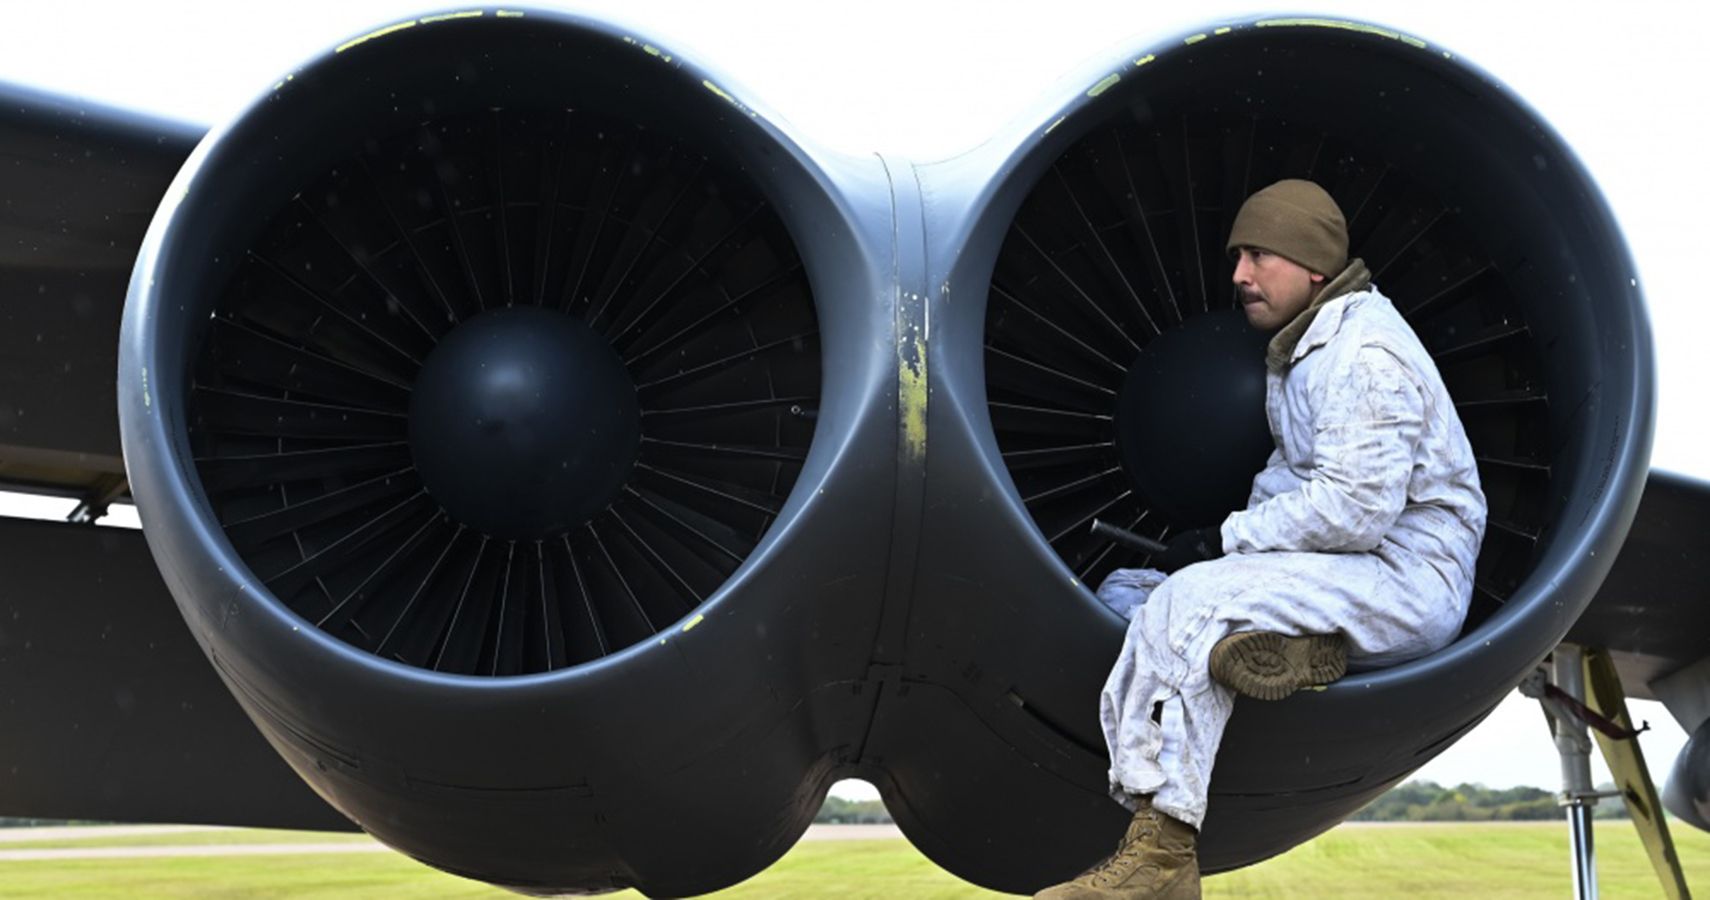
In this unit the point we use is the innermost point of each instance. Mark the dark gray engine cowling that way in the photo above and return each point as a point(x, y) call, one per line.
point(646, 671)
point(485, 391)
point(1091, 239)
point(1687, 794)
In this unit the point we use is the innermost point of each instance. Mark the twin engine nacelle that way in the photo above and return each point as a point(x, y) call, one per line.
point(572, 473)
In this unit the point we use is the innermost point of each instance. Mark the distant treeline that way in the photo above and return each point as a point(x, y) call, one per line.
point(1428, 801)
point(38, 823)
point(838, 811)
point(1415, 801)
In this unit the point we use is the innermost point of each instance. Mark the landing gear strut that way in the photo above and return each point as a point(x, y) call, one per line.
point(1580, 691)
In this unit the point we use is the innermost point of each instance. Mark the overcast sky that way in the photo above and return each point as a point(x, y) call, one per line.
point(1623, 84)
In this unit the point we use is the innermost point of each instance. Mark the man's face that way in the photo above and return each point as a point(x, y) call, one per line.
point(1274, 289)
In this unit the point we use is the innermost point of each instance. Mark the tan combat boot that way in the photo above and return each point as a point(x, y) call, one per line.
point(1269, 666)
point(1155, 861)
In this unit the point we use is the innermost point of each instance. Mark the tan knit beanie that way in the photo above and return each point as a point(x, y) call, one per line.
point(1295, 219)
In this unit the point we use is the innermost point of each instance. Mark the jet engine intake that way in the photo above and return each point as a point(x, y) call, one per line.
point(1115, 379)
point(473, 390)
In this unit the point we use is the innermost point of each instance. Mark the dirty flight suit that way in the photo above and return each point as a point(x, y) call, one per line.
point(1365, 521)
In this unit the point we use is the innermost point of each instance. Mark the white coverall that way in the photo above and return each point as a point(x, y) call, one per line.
point(1366, 521)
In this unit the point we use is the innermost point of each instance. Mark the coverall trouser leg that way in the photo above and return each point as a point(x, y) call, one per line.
point(1389, 606)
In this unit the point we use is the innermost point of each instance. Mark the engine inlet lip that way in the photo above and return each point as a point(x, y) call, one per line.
point(1611, 483)
point(184, 253)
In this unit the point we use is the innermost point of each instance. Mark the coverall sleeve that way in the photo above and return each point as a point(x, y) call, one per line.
point(1272, 480)
point(1366, 427)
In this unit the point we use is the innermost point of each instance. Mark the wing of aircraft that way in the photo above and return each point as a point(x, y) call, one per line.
point(1651, 617)
point(118, 713)
point(570, 471)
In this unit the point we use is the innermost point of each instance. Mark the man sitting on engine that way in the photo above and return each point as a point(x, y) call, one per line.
point(1358, 540)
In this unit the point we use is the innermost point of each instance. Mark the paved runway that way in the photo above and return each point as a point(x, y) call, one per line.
point(307, 847)
point(79, 832)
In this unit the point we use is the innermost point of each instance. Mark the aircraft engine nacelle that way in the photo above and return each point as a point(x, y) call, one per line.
point(571, 475)
point(1687, 794)
point(473, 400)
point(1113, 377)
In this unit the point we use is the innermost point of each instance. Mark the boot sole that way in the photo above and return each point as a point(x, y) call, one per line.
point(1268, 666)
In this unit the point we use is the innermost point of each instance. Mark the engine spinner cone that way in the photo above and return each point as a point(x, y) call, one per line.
point(1190, 419)
point(524, 423)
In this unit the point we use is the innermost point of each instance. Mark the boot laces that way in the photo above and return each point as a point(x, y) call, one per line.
point(1117, 867)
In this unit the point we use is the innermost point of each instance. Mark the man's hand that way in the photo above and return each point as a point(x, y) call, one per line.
point(1189, 547)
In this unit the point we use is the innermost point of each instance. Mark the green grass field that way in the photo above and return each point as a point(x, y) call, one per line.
point(1436, 860)
point(195, 838)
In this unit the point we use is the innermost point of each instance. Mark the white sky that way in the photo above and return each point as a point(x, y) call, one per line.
point(1624, 84)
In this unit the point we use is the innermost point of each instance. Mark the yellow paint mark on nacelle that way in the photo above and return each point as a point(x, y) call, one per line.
point(376, 33)
point(1145, 59)
point(726, 97)
point(443, 17)
point(1344, 25)
point(1196, 38)
point(650, 50)
point(719, 91)
point(1104, 84)
point(911, 394)
point(693, 622)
